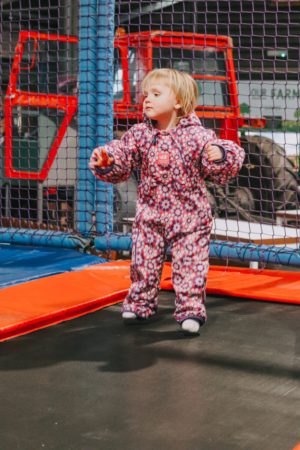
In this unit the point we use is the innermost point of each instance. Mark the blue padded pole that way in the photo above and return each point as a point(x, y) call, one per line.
point(251, 252)
point(41, 238)
point(105, 101)
point(220, 249)
point(112, 241)
point(87, 113)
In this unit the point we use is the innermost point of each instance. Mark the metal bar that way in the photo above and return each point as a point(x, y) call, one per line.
point(149, 9)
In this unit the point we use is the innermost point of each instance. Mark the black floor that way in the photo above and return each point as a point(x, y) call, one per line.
point(93, 383)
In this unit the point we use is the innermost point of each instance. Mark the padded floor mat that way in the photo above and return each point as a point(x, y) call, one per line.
point(40, 303)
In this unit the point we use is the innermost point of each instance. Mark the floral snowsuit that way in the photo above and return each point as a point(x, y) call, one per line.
point(172, 209)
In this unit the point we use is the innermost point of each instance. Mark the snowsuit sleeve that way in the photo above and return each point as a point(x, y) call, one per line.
point(228, 167)
point(126, 155)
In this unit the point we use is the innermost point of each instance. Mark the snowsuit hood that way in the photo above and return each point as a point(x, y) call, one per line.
point(186, 121)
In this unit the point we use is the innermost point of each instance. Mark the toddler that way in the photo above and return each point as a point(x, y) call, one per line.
point(175, 154)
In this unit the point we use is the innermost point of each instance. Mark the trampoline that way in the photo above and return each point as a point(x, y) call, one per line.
point(92, 383)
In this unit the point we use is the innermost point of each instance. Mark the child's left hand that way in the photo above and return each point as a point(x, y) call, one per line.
point(214, 152)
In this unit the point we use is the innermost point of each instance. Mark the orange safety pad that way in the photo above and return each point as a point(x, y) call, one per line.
point(267, 285)
point(47, 301)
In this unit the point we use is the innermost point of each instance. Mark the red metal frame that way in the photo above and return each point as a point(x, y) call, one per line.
point(229, 117)
point(14, 97)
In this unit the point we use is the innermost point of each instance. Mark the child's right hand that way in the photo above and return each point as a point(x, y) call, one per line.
point(100, 159)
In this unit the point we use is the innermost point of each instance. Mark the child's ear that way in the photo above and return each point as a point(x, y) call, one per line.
point(177, 106)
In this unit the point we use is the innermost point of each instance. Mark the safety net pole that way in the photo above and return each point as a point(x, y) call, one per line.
point(87, 112)
point(105, 73)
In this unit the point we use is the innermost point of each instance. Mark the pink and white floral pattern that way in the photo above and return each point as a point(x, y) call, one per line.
point(172, 210)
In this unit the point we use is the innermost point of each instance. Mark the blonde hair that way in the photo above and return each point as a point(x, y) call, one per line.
point(182, 84)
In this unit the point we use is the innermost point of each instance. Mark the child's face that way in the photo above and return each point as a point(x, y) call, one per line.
point(160, 101)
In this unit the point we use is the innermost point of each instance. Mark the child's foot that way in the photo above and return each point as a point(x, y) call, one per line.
point(129, 316)
point(191, 326)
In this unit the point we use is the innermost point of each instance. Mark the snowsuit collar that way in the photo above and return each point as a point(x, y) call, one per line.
point(187, 121)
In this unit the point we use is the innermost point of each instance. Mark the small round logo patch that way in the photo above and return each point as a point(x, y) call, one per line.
point(163, 159)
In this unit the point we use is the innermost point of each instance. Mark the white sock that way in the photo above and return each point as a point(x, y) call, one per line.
point(190, 325)
point(129, 315)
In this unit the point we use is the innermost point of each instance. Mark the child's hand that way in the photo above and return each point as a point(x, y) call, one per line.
point(100, 159)
point(214, 152)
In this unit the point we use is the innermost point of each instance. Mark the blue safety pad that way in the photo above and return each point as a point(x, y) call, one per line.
point(19, 264)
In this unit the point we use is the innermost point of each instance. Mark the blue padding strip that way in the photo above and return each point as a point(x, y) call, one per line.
point(20, 264)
